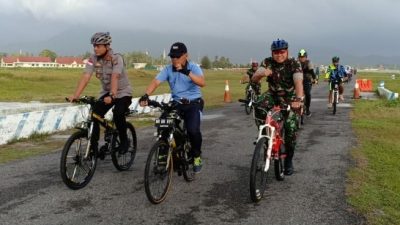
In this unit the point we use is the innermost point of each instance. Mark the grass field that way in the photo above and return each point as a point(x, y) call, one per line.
point(374, 185)
point(53, 85)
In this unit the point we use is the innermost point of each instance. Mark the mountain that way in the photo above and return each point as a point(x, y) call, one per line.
point(76, 41)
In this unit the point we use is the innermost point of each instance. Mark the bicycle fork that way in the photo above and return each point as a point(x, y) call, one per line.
point(89, 140)
point(270, 135)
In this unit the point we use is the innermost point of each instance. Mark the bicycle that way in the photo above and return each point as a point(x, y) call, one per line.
point(269, 148)
point(170, 152)
point(250, 98)
point(78, 158)
point(335, 95)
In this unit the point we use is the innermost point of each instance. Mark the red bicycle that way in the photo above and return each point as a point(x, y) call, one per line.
point(270, 148)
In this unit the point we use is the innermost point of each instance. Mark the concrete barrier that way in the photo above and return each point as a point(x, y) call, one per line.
point(24, 124)
point(386, 92)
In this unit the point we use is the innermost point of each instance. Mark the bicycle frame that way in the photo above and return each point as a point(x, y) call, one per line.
point(272, 130)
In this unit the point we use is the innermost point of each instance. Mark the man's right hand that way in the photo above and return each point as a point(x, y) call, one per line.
point(71, 98)
point(143, 100)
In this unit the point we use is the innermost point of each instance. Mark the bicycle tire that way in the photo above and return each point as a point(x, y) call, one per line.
point(152, 168)
point(258, 178)
point(334, 102)
point(248, 108)
point(124, 161)
point(279, 169)
point(187, 163)
point(75, 181)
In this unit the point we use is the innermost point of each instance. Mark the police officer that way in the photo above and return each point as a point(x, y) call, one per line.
point(116, 90)
point(185, 79)
point(309, 78)
point(285, 85)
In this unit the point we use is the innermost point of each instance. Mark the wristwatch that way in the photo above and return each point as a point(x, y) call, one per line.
point(113, 96)
point(300, 99)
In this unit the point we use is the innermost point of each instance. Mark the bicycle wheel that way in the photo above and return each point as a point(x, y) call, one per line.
point(187, 162)
point(157, 173)
point(247, 108)
point(76, 170)
point(124, 161)
point(334, 102)
point(279, 168)
point(258, 178)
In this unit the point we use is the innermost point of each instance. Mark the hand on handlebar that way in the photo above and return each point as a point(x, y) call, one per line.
point(143, 101)
point(71, 99)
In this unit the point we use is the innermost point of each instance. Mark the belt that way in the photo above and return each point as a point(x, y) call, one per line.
point(185, 101)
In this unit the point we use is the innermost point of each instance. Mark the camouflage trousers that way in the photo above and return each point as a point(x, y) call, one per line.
point(267, 101)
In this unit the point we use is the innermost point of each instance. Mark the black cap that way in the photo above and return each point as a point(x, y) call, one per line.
point(177, 49)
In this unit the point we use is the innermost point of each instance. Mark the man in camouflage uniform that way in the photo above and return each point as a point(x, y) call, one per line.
point(255, 85)
point(285, 85)
point(308, 80)
point(116, 89)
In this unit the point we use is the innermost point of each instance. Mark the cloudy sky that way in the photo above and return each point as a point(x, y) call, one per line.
point(369, 27)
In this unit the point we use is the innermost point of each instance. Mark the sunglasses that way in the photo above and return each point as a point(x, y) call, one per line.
point(281, 51)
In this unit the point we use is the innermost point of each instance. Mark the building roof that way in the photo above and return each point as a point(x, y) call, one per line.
point(12, 59)
point(69, 60)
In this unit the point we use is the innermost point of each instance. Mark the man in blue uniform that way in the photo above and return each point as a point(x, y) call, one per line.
point(185, 79)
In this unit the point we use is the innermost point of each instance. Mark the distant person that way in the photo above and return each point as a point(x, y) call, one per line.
point(185, 79)
point(335, 72)
point(250, 72)
point(309, 79)
point(116, 90)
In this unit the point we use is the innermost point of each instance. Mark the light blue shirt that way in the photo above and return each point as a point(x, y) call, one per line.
point(181, 85)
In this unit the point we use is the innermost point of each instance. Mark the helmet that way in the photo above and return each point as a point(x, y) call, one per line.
point(101, 38)
point(302, 53)
point(254, 64)
point(279, 44)
point(335, 59)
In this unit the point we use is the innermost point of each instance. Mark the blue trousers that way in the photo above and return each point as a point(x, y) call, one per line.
point(192, 117)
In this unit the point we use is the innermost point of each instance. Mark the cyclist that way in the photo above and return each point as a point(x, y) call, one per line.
point(335, 72)
point(308, 79)
point(185, 79)
point(285, 85)
point(250, 72)
point(116, 89)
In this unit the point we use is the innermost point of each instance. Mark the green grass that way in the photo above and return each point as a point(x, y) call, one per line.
point(374, 184)
point(53, 85)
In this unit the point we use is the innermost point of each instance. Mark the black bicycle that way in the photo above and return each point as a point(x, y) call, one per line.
point(78, 160)
point(335, 95)
point(250, 97)
point(171, 152)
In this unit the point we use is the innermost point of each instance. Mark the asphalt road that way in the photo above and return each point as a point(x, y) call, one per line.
point(31, 191)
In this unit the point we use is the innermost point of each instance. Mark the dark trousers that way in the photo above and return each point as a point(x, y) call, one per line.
point(307, 95)
point(121, 106)
point(191, 115)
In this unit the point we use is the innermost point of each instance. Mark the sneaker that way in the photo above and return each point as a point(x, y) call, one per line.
point(197, 164)
point(308, 113)
point(329, 105)
point(341, 97)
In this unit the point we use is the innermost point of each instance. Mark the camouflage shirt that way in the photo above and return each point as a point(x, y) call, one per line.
point(283, 75)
